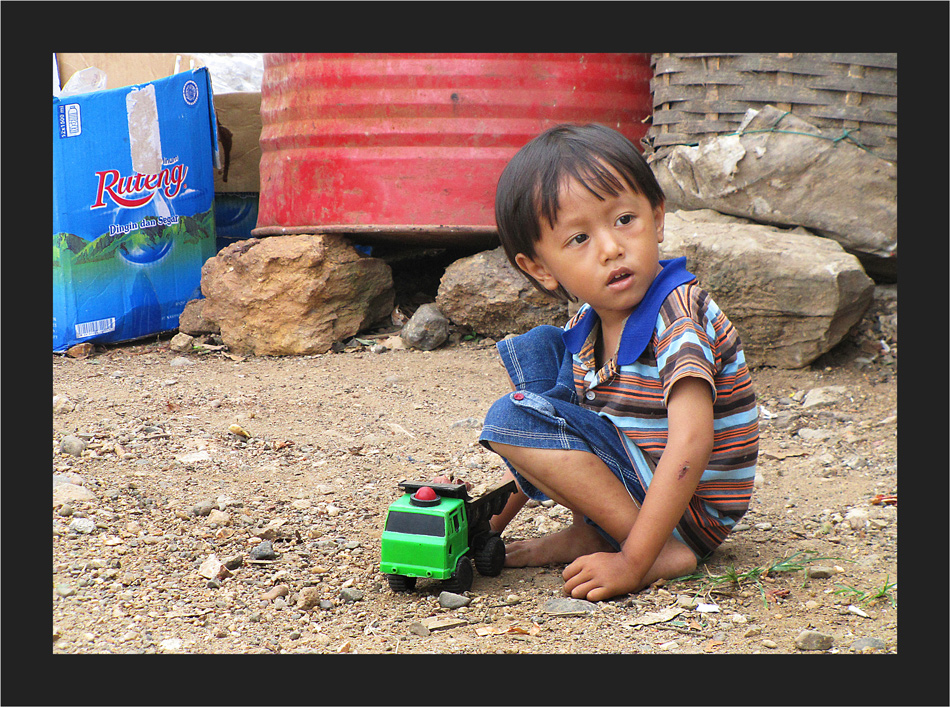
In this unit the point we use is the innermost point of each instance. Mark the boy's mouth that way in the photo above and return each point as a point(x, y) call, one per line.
point(618, 276)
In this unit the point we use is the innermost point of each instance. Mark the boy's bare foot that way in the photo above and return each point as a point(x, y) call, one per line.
point(561, 547)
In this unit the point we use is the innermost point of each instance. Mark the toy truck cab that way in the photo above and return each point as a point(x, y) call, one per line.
point(434, 530)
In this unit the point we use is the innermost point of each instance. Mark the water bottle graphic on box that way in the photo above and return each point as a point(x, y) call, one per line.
point(133, 208)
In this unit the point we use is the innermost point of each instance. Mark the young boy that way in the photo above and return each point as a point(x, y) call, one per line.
point(639, 416)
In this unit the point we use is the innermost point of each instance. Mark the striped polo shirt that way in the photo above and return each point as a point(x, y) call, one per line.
point(690, 336)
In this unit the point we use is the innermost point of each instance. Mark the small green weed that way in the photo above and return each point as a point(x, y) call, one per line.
point(755, 576)
point(870, 596)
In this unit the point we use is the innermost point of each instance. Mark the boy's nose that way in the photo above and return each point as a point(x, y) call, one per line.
point(610, 247)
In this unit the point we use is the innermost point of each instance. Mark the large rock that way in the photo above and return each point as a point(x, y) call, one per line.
point(287, 295)
point(782, 170)
point(792, 296)
point(486, 294)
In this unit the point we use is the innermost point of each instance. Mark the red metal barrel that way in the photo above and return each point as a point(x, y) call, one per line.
point(409, 147)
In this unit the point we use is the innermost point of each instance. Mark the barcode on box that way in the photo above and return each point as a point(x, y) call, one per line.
point(100, 326)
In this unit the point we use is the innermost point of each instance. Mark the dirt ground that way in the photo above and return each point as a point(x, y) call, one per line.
point(328, 438)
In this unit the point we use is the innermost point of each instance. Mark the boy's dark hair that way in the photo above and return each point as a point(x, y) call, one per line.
point(529, 186)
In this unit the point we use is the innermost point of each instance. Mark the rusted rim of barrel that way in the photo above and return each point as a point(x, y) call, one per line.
point(440, 235)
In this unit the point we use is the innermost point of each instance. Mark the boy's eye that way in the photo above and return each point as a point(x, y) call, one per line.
point(625, 219)
point(578, 239)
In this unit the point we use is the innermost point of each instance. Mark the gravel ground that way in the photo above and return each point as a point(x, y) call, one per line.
point(206, 503)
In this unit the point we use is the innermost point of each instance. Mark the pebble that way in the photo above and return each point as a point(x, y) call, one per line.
point(264, 551)
point(418, 629)
point(72, 445)
point(203, 508)
point(65, 590)
point(450, 600)
point(822, 397)
point(820, 572)
point(64, 492)
point(82, 525)
point(809, 640)
point(350, 594)
point(687, 602)
point(308, 598)
point(868, 644)
point(281, 590)
point(569, 607)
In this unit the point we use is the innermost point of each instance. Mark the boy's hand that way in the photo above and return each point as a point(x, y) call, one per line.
point(445, 479)
point(600, 576)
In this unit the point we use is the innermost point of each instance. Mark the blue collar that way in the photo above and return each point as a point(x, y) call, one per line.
point(639, 326)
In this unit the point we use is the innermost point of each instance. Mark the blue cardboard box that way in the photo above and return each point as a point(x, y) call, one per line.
point(133, 207)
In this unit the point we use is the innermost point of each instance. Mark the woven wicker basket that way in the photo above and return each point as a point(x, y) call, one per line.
point(703, 95)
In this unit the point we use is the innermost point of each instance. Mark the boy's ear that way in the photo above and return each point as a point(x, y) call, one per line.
point(537, 270)
point(659, 218)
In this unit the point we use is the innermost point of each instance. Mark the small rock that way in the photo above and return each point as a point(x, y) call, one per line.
point(264, 551)
point(281, 590)
point(65, 590)
point(349, 594)
point(449, 600)
point(418, 629)
point(809, 640)
point(181, 342)
point(219, 518)
point(868, 644)
point(569, 607)
point(820, 572)
point(72, 445)
point(82, 525)
point(193, 457)
point(62, 404)
point(769, 643)
point(170, 644)
point(687, 602)
point(427, 329)
point(83, 350)
point(235, 561)
point(808, 434)
point(308, 598)
point(66, 492)
point(821, 397)
point(857, 518)
point(439, 623)
point(213, 568)
point(203, 508)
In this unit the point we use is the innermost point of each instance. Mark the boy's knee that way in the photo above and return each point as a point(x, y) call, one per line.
point(519, 405)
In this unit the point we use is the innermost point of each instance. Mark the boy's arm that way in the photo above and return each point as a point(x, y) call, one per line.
point(678, 472)
point(675, 478)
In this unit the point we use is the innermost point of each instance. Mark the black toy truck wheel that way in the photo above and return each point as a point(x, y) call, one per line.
point(490, 556)
point(461, 580)
point(401, 583)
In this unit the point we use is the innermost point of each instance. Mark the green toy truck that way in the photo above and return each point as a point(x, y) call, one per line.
point(436, 531)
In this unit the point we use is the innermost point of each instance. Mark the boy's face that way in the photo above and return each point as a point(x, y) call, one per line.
point(603, 251)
